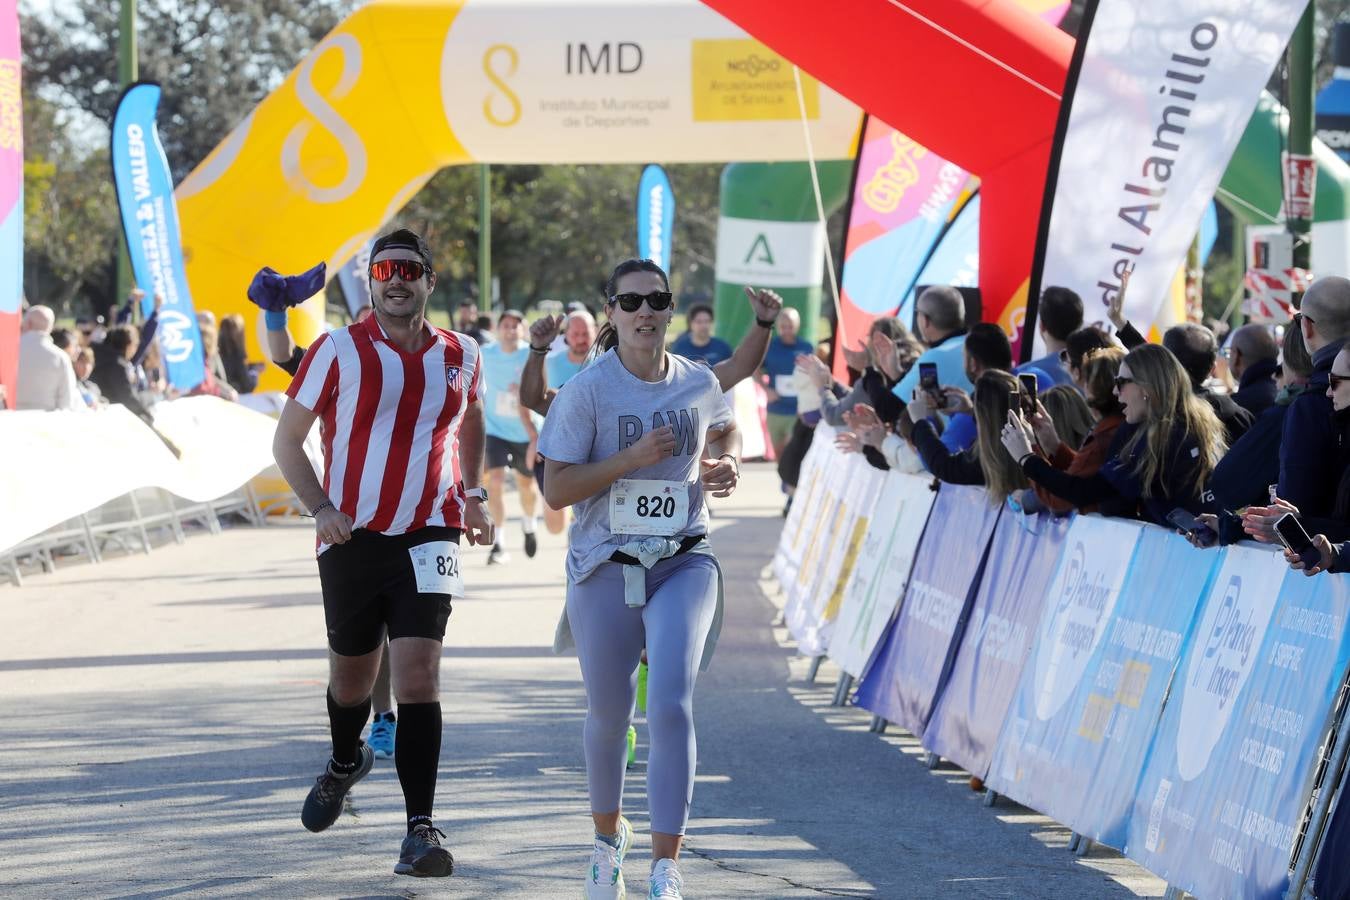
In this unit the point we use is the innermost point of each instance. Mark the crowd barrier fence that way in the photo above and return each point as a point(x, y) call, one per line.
point(1183, 706)
point(77, 481)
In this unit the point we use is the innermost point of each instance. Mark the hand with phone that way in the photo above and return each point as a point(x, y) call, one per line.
point(956, 401)
point(928, 384)
point(1016, 437)
point(1259, 521)
point(1202, 531)
point(1311, 555)
point(1044, 428)
point(1030, 389)
point(921, 406)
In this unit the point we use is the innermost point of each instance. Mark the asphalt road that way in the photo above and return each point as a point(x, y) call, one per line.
point(165, 718)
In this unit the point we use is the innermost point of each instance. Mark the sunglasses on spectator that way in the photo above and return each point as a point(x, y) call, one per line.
point(1336, 380)
point(405, 269)
point(630, 302)
point(1121, 382)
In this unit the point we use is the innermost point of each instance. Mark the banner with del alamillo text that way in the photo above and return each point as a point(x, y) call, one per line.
point(150, 222)
point(1161, 93)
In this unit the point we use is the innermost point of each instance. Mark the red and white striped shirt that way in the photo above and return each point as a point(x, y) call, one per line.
point(390, 424)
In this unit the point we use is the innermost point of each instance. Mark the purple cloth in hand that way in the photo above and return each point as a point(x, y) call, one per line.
point(276, 293)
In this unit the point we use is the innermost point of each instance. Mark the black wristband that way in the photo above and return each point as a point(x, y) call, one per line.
point(534, 349)
point(765, 323)
point(1023, 460)
point(327, 504)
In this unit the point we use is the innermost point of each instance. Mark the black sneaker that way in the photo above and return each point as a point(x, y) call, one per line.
point(531, 544)
point(497, 555)
point(324, 803)
point(423, 856)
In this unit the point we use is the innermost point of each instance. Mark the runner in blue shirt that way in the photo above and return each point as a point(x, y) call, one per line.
point(511, 433)
point(578, 336)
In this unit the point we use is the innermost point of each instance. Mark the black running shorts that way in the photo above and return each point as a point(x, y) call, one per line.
point(503, 453)
point(369, 588)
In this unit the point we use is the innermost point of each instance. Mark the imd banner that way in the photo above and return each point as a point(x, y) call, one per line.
point(1159, 95)
point(150, 222)
point(655, 216)
point(11, 199)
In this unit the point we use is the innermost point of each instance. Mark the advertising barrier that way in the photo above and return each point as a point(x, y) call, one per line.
point(905, 678)
point(1224, 787)
point(1004, 617)
point(1075, 739)
point(882, 571)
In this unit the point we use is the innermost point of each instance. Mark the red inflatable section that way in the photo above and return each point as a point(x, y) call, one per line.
point(9, 357)
point(976, 81)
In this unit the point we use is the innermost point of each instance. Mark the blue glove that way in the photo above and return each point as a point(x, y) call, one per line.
point(274, 292)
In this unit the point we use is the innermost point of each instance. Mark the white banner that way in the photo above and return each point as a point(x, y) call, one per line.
point(57, 465)
point(770, 254)
point(1164, 93)
point(882, 570)
point(804, 512)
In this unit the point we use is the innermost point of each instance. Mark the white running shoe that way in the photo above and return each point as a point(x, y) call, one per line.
point(665, 883)
point(604, 879)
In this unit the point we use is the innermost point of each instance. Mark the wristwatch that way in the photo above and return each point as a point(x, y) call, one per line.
point(478, 493)
point(766, 323)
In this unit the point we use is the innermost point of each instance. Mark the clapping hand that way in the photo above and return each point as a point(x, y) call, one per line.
point(857, 360)
point(866, 424)
point(848, 442)
point(817, 371)
point(1115, 307)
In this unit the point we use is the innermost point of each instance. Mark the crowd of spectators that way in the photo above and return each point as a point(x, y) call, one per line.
point(1220, 443)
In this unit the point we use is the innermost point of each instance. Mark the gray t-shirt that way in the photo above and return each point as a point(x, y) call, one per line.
point(604, 409)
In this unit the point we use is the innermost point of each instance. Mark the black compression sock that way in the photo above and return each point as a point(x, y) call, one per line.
point(345, 724)
point(417, 756)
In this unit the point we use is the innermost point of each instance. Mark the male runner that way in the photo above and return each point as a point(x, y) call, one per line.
point(510, 430)
point(402, 418)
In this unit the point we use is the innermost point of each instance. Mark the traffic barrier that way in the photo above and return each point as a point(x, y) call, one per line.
point(1184, 706)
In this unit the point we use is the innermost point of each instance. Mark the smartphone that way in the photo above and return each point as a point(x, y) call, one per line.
point(1029, 392)
point(1185, 522)
point(1291, 533)
point(928, 377)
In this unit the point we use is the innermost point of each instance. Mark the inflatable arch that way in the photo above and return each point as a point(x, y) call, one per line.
point(403, 88)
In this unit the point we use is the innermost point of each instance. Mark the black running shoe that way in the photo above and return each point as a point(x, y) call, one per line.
point(531, 544)
point(324, 803)
point(423, 856)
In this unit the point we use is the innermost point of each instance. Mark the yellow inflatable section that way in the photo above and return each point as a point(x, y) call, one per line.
point(403, 88)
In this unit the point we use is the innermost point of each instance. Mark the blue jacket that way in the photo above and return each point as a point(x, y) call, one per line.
point(1309, 465)
point(1242, 476)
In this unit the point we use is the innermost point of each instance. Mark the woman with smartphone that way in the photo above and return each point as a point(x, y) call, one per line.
point(1159, 460)
point(986, 463)
point(632, 445)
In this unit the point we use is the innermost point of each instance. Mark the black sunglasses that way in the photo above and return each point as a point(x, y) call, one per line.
point(1121, 382)
point(1336, 380)
point(630, 302)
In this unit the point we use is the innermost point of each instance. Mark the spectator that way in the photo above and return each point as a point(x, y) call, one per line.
point(780, 364)
point(1069, 414)
point(66, 340)
point(46, 374)
point(1243, 476)
point(1195, 348)
point(153, 376)
point(113, 372)
point(1077, 346)
point(1253, 356)
point(84, 367)
point(986, 463)
point(941, 316)
point(881, 368)
point(1097, 373)
point(986, 347)
point(1160, 459)
point(239, 374)
point(467, 322)
point(92, 330)
point(213, 382)
point(1308, 445)
point(698, 342)
point(1058, 315)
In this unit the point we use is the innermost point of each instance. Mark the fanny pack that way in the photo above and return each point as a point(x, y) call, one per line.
point(686, 544)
